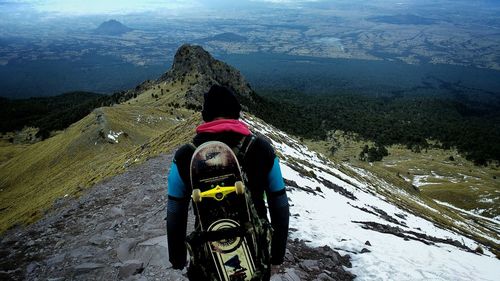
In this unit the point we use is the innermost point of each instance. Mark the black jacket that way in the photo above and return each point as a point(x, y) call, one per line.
point(264, 177)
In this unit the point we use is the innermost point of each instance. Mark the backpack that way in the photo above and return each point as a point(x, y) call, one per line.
point(209, 262)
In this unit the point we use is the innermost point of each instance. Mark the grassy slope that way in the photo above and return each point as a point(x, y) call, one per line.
point(9, 150)
point(402, 163)
point(33, 176)
point(457, 182)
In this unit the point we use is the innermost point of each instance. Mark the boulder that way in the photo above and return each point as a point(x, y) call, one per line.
point(129, 268)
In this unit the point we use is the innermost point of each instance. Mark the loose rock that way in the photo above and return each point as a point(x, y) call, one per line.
point(130, 267)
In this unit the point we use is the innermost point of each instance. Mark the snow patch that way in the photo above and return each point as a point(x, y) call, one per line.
point(330, 219)
point(421, 180)
point(472, 214)
point(488, 200)
point(113, 136)
point(150, 119)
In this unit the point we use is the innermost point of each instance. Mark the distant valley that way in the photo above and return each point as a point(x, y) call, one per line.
point(60, 56)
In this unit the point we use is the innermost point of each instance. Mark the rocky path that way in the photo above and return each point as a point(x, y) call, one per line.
point(116, 231)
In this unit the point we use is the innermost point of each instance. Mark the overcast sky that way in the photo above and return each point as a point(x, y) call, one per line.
point(111, 7)
point(23, 12)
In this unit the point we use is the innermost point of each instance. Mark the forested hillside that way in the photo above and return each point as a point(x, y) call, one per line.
point(54, 113)
point(472, 127)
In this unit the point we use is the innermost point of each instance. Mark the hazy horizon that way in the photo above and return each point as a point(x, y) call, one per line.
point(58, 37)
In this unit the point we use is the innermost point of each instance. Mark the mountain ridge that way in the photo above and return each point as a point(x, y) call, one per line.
point(111, 140)
point(193, 60)
point(103, 143)
point(346, 214)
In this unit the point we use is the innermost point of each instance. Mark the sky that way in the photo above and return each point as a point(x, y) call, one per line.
point(122, 7)
point(20, 9)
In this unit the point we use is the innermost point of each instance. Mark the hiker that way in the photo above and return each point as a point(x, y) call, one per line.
point(221, 111)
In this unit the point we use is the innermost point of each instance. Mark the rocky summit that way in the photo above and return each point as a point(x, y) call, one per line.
point(194, 61)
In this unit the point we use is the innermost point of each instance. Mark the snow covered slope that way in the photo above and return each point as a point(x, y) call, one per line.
point(386, 242)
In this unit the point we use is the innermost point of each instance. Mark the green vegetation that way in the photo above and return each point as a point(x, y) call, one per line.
point(52, 113)
point(48, 113)
point(430, 172)
point(472, 127)
point(9, 150)
point(372, 154)
point(33, 176)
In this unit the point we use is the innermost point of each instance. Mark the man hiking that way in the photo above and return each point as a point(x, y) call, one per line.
point(221, 112)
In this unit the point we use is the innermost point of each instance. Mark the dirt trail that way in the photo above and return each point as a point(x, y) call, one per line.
point(117, 231)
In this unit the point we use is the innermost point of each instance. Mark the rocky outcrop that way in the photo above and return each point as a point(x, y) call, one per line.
point(411, 235)
point(192, 61)
point(306, 263)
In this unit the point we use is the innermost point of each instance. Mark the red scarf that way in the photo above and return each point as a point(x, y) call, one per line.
point(224, 125)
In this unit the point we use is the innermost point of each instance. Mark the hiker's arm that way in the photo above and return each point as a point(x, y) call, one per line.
point(177, 211)
point(278, 209)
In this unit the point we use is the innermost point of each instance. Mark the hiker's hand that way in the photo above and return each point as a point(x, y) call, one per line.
point(275, 269)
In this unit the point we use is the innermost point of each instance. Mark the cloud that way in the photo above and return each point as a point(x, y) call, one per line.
point(56, 8)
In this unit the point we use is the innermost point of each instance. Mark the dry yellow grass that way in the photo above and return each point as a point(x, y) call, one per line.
point(33, 176)
point(458, 182)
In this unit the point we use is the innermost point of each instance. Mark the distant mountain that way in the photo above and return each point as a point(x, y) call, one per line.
point(112, 27)
point(225, 37)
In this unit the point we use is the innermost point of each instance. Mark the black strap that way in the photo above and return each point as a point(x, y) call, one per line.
point(192, 146)
point(242, 148)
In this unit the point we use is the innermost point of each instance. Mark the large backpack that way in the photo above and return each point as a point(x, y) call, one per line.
point(230, 241)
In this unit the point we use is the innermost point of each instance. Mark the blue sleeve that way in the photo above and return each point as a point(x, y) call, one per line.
point(275, 178)
point(279, 212)
point(176, 186)
point(177, 211)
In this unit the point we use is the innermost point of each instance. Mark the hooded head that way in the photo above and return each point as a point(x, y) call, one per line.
point(220, 102)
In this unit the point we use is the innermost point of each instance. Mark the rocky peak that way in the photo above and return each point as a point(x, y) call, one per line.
point(190, 58)
point(193, 61)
